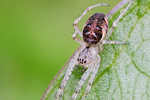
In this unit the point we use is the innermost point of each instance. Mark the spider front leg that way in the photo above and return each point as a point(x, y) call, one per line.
point(71, 65)
point(115, 22)
point(79, 18)
point(81, 82)
point(74, 36)
point(92, 77)
point(59, 93)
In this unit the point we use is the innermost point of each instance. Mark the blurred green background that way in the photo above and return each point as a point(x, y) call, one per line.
point(35, 42)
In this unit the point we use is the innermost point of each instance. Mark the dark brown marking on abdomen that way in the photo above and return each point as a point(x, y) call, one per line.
point(93, 29)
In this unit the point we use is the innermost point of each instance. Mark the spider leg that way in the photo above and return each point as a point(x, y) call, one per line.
point(81, 82)
point(70, 68)
point(92, 77)
point(113, 42)
point(100, 47)
point(71, 65)
point(115, 22)
point(77, 39)
point(79, 18)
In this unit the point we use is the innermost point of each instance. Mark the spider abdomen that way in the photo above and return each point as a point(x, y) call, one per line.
point(95, 28)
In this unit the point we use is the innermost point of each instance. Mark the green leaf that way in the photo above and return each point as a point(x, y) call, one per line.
point(124, 72)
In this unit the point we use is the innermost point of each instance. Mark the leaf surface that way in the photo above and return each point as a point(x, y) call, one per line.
point(124, 73)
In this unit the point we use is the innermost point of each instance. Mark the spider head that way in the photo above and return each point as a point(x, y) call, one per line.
point(84, 56)
point(95, 28)
point(87, 54)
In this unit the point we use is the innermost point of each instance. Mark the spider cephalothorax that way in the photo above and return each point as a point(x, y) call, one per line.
point(95, 28)
point(86, 55)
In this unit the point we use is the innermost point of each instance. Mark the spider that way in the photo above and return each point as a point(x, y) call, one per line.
point(87, 55)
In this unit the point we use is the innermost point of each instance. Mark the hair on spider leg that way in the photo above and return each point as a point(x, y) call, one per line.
point(71, 32)
point(89, 5)
point(78, 15)
point(75, 17)
point(82, 10)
